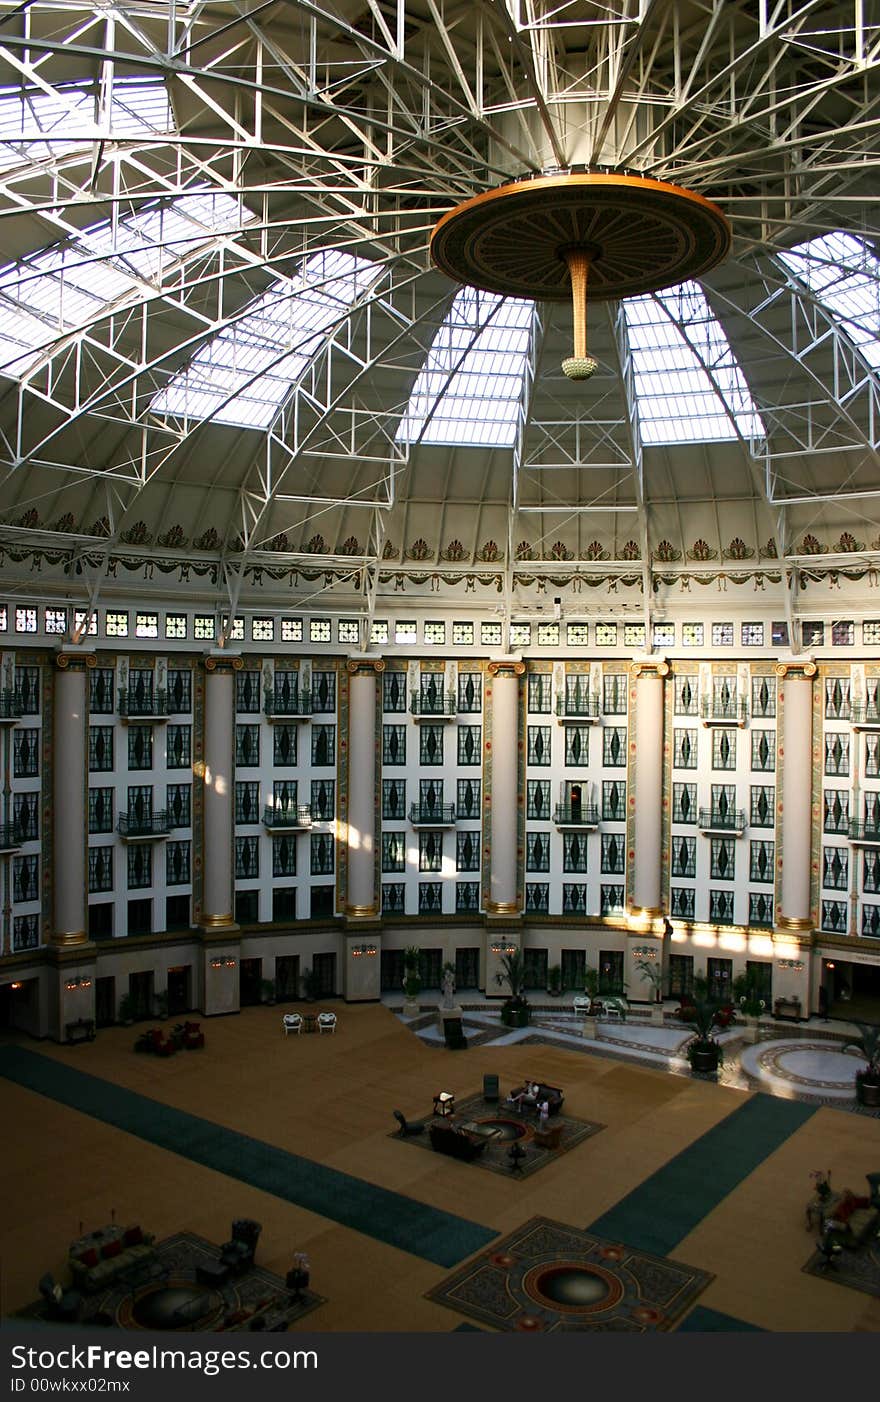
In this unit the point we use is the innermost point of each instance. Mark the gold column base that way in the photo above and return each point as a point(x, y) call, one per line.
point(361, 912)
point(794, 923)
point(218, 922)
point(65, 938)
point(502, 908)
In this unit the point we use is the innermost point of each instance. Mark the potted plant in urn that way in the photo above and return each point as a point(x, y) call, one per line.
point(554, 980)
point(868, 1079)
point(412, 979)
point(591, 986)
point(515, 1011)
point(703, 1051)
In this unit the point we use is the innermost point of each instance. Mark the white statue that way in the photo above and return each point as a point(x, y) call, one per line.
point(448, 988)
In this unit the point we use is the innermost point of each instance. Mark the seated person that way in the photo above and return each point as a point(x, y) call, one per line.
point(526, 1095)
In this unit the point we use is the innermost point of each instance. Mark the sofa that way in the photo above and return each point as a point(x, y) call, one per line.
point(552, 1094)
point(854, 1221)
point(446, 1139)
point(98, 1259)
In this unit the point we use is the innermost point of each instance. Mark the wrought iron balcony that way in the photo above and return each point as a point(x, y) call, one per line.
point(293, 707)
point(10, 837)
point(443, 706)
point(728, 821)
point(577, 710)
point(140, 827)
point(10, 706)
point(289, 817)
point(438, 815)
point(153, 706)
point(864, 832)
point(576, 815)
point(865, 717)
point(715, 712)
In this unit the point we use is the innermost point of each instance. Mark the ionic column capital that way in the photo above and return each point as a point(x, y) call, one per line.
point(795, 671)
point(499, 667)
point(654, 669)
point(216, 663)
point(365, 666)
point(68, 661)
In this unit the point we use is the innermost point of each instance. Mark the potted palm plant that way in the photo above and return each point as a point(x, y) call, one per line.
point(591, 985)
point(412, 979)
point(515, 1011)
point(868, 1079)
point(554, 980)
point(126, 1010)
point(309, 984)
point(267, 990)
point(703, 1051)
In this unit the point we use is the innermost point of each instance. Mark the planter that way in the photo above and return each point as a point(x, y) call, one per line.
point(411, 1007)
point(868, 1092)
point(515, 1017)
point(704, 1059)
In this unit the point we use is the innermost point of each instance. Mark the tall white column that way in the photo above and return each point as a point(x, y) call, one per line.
point(361, 895)
point(796, 827)
point(647, 780)
point(218, 860)
point(70, 816)
point(503, 891)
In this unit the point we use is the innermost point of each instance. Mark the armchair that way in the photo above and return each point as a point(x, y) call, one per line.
point(238, 1253)
point(326, 1022)
point(292, 1022)
point(408, 1126)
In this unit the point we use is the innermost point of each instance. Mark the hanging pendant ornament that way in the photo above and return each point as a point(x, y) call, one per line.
point(584, 236)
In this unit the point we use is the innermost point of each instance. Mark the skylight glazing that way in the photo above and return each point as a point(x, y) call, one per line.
point(689, 386)
point(62, 288)
point(844, 275)
point(244, 374)
point(469, 390)
point(36, 125)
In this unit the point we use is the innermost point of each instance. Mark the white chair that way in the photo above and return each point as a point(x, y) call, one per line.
point(326, 1022)
point(582, 1003)
point(292, 1022)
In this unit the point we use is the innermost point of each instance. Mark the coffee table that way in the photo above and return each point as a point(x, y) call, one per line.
point(484, 1131)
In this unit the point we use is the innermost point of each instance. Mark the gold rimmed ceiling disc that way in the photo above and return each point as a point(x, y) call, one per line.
point(640, 235)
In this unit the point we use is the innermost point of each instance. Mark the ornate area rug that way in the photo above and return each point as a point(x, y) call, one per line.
point(547, 1277)
point(513, 1129)
point(164, 1293)
point(859, 1268)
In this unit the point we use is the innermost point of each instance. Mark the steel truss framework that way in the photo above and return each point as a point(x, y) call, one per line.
point(354, 126)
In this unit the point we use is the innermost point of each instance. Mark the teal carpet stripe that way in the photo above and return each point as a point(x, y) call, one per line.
point(662, 1210)
point(427, 1232)
point(702, 1320)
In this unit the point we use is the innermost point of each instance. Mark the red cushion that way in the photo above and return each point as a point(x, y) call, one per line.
point(89, 1258)
point(133, 1236)
point(111, 1248)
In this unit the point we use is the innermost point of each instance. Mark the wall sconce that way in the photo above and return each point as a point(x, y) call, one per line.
point(644, 951)
point(796, 964)
point(78, 982)
point(359, 950)
point(216, 963)
point(230, 963)
point(497, 948)
point(15, 985)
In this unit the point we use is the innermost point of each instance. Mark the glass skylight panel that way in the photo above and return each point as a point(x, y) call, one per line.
point(63, 287)
point(243, 375)
point(844, 274)
point(689, 386)
point(469, 390)
point(37, 125)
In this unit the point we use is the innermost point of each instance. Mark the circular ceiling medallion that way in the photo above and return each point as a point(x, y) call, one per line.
point(639, 235)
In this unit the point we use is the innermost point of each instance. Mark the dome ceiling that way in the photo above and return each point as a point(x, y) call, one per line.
point(164, 171)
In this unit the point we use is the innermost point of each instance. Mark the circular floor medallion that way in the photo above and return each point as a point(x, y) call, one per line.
point(175, 1304)
point(573, 1287)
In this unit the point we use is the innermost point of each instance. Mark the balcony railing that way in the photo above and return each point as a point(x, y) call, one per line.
point(864, 832)
point(10, 705)
point(153, 706)
point(282, 708)
point(292, 815)
point(144, 825)
point(866, 717)
point(432, 816)
point(10, 837)
point(715, 712)
point(441, 707)
point(730, 820)
point(576, 815)
point(577, 708)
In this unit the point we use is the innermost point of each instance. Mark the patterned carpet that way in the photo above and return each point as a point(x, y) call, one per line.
point(547, 1277)
point(858, 1268)
point(164, 1293)
point(513, 1129)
